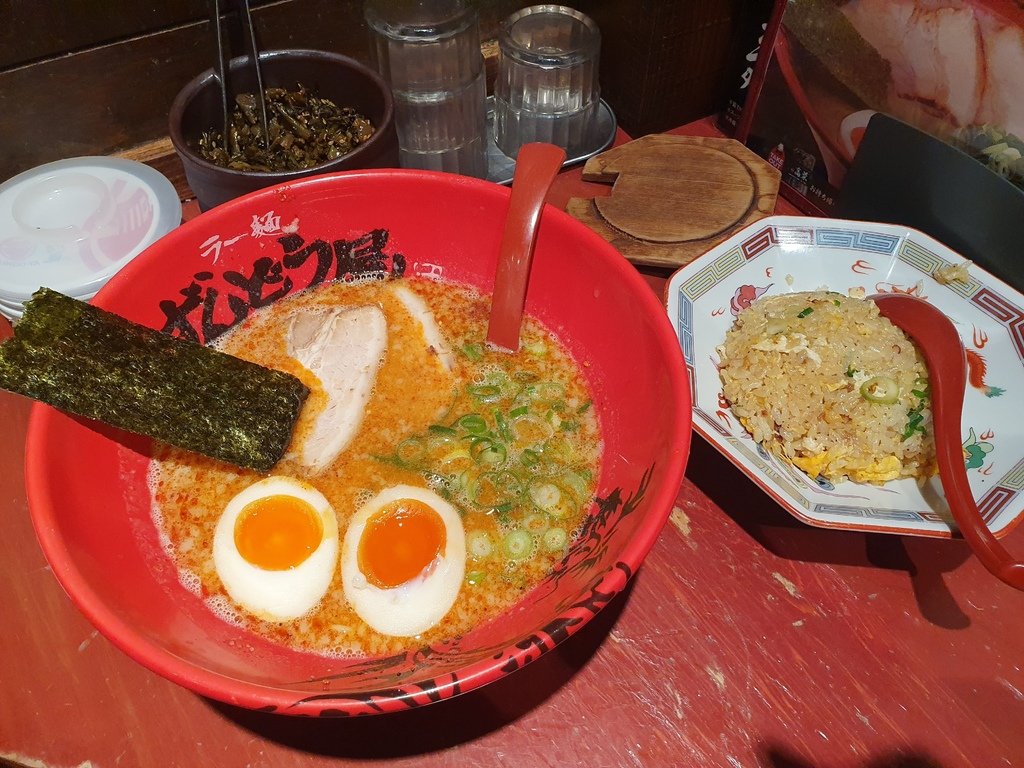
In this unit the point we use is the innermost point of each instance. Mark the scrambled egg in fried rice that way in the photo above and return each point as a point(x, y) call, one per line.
point(826, 382)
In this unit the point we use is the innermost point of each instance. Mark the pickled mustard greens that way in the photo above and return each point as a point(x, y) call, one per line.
point(89, 362)
point(305, 131)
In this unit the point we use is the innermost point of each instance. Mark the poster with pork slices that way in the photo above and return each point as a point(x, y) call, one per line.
point(952, 68)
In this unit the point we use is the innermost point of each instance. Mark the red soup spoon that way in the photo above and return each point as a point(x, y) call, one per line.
point(943, 351)
point(537, 164)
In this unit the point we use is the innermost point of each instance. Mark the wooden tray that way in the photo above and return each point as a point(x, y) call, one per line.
point(674, 197)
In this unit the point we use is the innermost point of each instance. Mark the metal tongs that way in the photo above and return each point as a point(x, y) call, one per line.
point(222, 68)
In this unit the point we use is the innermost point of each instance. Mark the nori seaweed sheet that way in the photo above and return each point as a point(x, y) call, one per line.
point(825, 32)
point(89, 362)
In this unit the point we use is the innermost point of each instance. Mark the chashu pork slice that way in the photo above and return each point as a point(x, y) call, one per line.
point(343, 348)
point(420, 312)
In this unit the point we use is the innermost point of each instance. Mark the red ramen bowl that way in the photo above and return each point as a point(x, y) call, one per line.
point(87, 486)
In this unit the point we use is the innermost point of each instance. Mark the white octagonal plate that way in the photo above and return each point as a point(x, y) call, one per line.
point(783, 254)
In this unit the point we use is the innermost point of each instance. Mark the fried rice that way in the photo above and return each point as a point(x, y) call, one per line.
point(827, 383)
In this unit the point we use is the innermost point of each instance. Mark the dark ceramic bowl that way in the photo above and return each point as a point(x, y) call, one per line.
point(344, 81)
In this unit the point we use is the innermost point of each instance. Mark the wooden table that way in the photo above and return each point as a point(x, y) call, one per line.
point(746, 639)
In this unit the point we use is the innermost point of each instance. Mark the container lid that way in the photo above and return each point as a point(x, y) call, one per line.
point(70, 225)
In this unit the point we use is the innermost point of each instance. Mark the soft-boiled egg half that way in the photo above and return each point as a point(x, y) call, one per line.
point(275, 548)
point(403, 560)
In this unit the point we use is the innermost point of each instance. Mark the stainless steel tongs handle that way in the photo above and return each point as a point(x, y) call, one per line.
point(222, 68)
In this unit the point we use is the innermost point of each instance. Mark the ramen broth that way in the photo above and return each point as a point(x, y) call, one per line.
point(509, 439)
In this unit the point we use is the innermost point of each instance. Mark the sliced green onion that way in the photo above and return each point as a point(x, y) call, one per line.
point(578, 483)
point(473, 578)
point(437, 440)
point(914, 419)
point(805, 312)
point(536, 348)
point(553, 500)
point(394, 461)
point(487, 393)
point(550, 390)
point(558, 449)
point(536, 523)
point(517, 544)
point(565, 507)
point(585, 407)
point(478, 544)
point(502, 513)
point(487, 451)
point(522, 410)
point(530, 429)
point(880, 389)
point(525, 396)
point(473, 423)
point(456, 460)
point(411, 451)
point(441, 430)
point(503, 430)
point(493, 489)
point(545, 495)
point(474, 352)
point(836, 302)
point(555, 539)
point(529, 458)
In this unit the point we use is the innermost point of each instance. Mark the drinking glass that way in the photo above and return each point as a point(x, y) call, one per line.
point(429, 53)
point(547, 85)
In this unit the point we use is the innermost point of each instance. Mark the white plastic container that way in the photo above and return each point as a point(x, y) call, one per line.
point(72, 224)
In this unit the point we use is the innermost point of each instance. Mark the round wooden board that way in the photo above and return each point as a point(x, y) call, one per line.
point(678, 193)
point(674, 197)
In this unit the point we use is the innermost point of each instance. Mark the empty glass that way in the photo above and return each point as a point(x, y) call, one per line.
point(547, 87)
point(429, 52)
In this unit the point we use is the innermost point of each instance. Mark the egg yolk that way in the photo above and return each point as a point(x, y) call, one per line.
point(277, 532)
point(399, 542)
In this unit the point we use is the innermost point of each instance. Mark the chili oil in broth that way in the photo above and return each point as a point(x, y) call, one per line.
point(509, 439)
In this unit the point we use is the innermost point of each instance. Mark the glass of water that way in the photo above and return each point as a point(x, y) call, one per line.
point(429, 53)
point(547, 85)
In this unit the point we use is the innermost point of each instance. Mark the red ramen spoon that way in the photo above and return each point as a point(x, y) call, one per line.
point(944, 353)
point(536, 167)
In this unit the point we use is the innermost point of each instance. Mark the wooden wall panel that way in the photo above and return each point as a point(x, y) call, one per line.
point(110, 97)
point(32, 30)
point(82, 77)
point(664, 62)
